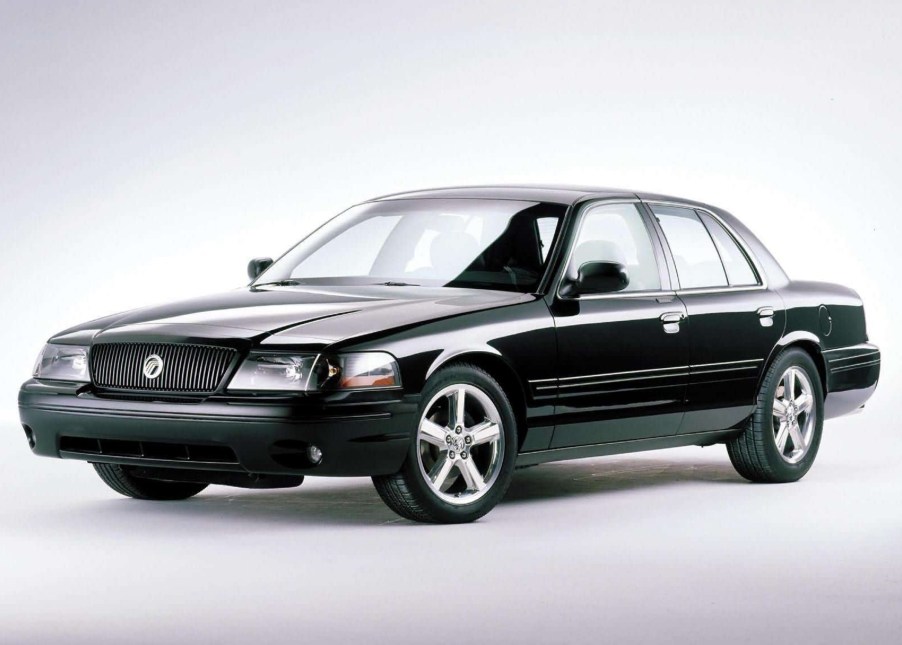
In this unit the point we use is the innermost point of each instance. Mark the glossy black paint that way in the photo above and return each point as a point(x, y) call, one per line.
point(257, 266)
point(596, 278)
point(586, 375)
point(620, 375)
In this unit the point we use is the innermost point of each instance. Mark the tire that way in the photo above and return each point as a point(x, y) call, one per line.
point(481, 449)
point(121, 480)
point(770, 450)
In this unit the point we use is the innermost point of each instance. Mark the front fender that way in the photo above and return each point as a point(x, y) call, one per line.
point(449, 355)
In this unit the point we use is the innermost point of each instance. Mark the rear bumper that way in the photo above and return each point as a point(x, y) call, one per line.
point(852, 374)
point(357, 438)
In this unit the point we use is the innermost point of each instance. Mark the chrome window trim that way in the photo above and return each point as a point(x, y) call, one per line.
point(759, 271)
point(650, 293)
point(619, 294)
point(704, 290)
point(762, 277)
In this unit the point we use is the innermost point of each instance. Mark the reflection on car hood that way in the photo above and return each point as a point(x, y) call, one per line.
point(294, 315)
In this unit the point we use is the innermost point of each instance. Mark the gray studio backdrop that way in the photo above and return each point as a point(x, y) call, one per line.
point(148, 150)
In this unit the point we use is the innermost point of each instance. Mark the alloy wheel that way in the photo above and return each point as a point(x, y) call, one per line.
point(460, 444)
point(794, 415)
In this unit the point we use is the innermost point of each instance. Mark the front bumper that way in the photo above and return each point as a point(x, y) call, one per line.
point(358, 436)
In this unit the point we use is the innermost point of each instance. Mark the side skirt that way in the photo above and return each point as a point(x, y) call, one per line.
point(622, 447)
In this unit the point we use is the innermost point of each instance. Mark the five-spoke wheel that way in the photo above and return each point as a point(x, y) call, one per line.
point(783, 435)
point(794, 417)
point(460, 443)
point(462, 456)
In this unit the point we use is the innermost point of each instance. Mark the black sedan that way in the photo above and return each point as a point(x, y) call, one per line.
point(436, 340)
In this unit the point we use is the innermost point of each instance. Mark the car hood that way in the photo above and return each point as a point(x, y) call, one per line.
point(291, 315)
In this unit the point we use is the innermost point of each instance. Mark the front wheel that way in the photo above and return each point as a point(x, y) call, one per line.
point(460, 462)
point(123, 481)
point(782, 437)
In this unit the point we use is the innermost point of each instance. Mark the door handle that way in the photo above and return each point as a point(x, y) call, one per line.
point(672, 320)
point(766, 316)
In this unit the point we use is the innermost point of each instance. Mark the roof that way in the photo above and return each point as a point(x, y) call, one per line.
point(560, 194)
point(553, 193)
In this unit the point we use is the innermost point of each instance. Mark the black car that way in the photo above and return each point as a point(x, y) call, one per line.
point(437, 340)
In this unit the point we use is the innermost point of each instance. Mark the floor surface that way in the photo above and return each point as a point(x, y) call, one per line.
point(666, 546)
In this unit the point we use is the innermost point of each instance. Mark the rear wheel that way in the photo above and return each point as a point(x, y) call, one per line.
point(121, 480)
point(461, 460)
point(784, 433)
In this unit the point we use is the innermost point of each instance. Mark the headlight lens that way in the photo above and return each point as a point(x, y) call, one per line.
point(274, 372)
point(63, 363)
point(355, 371)
point(312, 372)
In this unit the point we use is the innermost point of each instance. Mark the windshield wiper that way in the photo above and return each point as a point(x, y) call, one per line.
point(293, 283)
point(392, 283)
point(279, 283)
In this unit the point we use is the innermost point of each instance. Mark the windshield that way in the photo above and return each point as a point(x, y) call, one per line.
point(489, 244)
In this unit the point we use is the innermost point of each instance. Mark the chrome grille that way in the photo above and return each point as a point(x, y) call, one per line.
point(186, 368)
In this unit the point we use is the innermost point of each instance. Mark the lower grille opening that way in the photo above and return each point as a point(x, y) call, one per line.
point(171, 451)
point(122, 448)
point(149, 450)
point(80, 444)
point(211, 453)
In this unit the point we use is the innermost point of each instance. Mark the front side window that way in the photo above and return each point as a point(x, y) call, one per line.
point(476, 243)
point(697, 261)
point(617, 233)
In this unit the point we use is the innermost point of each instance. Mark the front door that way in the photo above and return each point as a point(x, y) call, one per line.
point(623, 357)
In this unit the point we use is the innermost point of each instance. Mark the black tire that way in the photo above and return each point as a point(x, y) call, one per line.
point(754, 454)
point(121, 480)
point(407, 492)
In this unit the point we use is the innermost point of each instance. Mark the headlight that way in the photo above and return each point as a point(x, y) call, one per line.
point(63, 363)
point(274, 372)
point(312, 372)
point(355, 371)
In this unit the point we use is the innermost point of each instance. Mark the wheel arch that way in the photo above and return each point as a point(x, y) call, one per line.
point(808, 343)
point(498, 368)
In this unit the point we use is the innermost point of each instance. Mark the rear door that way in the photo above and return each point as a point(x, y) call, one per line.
point(622, 356)
point(734, 320)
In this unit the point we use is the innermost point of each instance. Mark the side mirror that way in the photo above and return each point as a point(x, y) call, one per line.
point(598, 277)
point(257, 266)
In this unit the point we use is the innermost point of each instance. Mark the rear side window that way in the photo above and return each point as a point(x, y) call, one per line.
point(739, 270)
point(697, 261)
